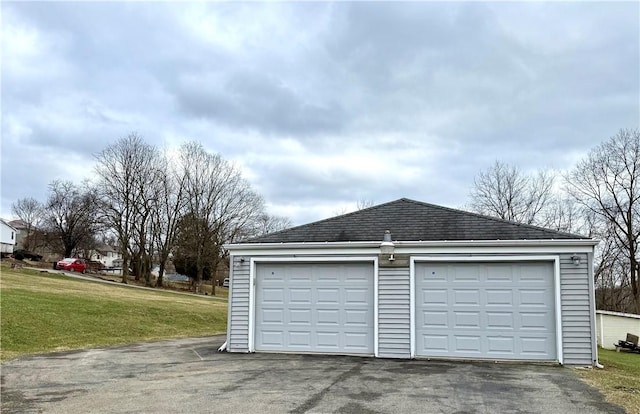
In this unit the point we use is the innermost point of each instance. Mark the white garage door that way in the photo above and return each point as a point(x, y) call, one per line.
point(485, 310)
point(319, 307)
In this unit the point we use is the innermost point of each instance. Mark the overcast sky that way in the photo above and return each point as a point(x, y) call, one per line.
point(320, 104)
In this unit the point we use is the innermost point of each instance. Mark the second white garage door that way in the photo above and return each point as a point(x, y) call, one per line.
point(485, 310)
point(315, 307)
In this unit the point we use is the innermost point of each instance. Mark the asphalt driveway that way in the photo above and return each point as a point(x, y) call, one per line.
point(189, 376)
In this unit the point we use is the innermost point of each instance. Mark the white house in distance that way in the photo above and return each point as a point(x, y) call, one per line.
point(8, 236)
point(407, 279)
point(106, 255)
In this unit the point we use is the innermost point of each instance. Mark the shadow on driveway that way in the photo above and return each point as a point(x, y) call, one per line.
point(188, 375)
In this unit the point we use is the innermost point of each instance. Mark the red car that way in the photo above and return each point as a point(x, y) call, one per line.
point(72, 265)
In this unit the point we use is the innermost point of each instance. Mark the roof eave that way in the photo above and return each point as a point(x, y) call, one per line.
point(417, 243)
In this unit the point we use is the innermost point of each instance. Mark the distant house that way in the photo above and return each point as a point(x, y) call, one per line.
point(21, 232)
point(613, 326)
point(106, 255)
point(8, 235)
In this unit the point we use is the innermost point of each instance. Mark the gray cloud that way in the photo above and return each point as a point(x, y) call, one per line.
point(321, 104)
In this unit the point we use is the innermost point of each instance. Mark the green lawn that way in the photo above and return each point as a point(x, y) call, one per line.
point(41, 312)
point(619, 381)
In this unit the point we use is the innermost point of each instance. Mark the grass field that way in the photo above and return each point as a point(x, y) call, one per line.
point(619, 381)
point(43, 312)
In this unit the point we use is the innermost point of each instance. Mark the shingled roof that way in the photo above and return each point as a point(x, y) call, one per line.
point(410, 220)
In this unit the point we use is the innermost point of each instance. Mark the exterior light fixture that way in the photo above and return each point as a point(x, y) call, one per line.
point(387, 246)
point(576, 259)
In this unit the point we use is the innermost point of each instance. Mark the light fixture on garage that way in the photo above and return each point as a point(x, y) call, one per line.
point(387, 246)
point(576, 259)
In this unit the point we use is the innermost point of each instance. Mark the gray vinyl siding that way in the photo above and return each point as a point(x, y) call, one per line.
point(394, 313)
point(238, 329)
point(576, 311)
point(394, 310)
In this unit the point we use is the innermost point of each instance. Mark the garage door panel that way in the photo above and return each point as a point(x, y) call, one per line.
point(435, 297)
point(300, 338)
point(499, 273)
point(273, 295)
point(466, 297)
point(499, 297)
point(468, 344)
point(356, 341)
point(534, 321)
point(500, 320)
point(500, 345)
point(534, 297)
point(327, 308)
point(467, 320)
point(533, 273)
point(435, 319)
point(356, 317)
point(300, 316)
point(357, 296)
point(466, 274)
point(534, 346)
point(272, 338)
point(329, 340)
point(273, 316)
point(501, 314)
point(328, 296)
point(437, 344)
point(328, 317)
point(300, 296)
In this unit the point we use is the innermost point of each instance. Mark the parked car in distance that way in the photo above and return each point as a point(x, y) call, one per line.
point(225, 283)
point(72, 265)
point(176, 277)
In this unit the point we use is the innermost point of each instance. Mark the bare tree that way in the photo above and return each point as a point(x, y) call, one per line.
point(70, 213)
point(169, 207)
point(267, 223)
point(564, 214)
point(221, 202)
point(364, 203)
point(126, 172)
point(606, 183)
point(30, 211)
point(504, 191)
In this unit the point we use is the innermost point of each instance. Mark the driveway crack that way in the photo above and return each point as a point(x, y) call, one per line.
point(315, 399)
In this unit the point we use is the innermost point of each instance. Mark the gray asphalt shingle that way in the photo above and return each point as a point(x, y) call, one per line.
point(410, 220)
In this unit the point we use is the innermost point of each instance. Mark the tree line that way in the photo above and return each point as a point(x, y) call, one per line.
point(599, 198)
point(154, 206)
point(187, 204)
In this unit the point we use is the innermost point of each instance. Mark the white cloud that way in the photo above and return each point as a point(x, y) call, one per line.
point(320, 104)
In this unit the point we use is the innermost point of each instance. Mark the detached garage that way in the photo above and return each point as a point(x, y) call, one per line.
point(408, 279)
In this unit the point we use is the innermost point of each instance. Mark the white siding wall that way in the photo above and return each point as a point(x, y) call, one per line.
point(238, 330)
point(7, 237)
point(612, 328)
point(576, 311)
point(394, 313)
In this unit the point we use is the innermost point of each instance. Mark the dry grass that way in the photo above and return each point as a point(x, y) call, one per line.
point(44, 312)
point(619, 381)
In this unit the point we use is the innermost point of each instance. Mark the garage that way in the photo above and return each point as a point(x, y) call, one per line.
point(407, 279)
point(496, 310)
point(315, 307)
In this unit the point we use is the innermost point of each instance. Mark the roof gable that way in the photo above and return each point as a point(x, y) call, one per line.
point(410, 220)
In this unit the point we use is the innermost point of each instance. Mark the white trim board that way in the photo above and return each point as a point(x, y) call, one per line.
point(400, 248)
point(626, 315)
point(503, 259)
point(415, 244)
point(325, 259)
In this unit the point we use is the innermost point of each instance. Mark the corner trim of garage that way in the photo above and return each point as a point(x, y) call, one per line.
point(495, 258)
point(311, 259)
